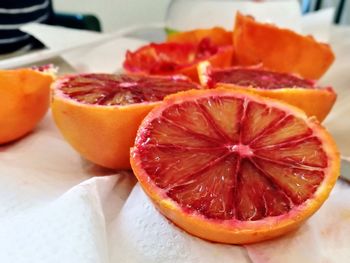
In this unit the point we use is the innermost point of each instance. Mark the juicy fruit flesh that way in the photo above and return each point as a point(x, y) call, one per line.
point(168, 57)
point(122, 89)
point(230, 158)
point(258, 78)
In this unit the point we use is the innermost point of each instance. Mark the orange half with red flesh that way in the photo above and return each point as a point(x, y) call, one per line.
point(302, 93)
point(234, 167)
point(99, 114)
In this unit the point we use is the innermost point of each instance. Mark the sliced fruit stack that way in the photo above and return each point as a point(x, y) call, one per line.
point(98, 114)
point(233, 167)
point(227, 163)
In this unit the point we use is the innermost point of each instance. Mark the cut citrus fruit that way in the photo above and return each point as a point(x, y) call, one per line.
point(234, 167)
point(177, 58)
point(217, 35)
point(98, 114)
point(279, 49)
point(302, 93)
point(24, 100)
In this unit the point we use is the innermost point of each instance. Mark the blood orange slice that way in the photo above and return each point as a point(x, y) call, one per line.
point(302, 93)
point(234, 167)
point(177, 58)
point(98, 114)
point(279, 49)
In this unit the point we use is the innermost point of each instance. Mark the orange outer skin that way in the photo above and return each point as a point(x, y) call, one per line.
point(279, 49)
point(24, 100)
point(238, 232)
point(222, 59)
point(217, 35)
point(101, 134)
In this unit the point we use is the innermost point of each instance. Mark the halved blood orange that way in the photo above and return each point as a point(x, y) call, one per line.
point(234, 167)
point(98, 114)
point(24, 100)
point(302, 93)
point(279, 49)
point(177, 58)
point(217, 35)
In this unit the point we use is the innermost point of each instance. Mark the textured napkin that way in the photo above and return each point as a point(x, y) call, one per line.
point(140, 233)
point(50, 209)
point(325, 238)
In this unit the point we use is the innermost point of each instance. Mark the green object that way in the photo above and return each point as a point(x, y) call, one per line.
point(170, 31)
point(78, 21)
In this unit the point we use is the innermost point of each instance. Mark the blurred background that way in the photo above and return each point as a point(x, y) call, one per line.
point(115, 14)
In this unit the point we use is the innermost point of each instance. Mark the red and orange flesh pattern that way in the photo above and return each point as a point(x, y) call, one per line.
point(299, 92)
point(228, 166)
point(177, 58)
point(99, 114)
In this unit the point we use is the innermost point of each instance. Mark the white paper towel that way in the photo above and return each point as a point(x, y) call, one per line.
point(141, 234)
point(50, 211)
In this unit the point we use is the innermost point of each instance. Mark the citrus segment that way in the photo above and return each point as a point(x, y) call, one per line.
point(307, 151)
point(257, 197)
point(176, 58)
point(99, 114)
point(279, 49)
point(240, 183)
point(287, 129)
point(261, 117)
point(289, 88)
point(213, 178)
point(298, 183)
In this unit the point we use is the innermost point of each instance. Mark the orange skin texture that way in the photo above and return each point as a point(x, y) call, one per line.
point(234, 231)
point(278, 49)
point(322, 100)
point(101, 134)
point(24, 100)
point(217, 35)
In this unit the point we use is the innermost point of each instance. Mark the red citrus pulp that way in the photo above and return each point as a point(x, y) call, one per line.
point(300, 92)
point(177, 58)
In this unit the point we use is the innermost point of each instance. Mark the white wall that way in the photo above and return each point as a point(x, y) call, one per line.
point(115, 14)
